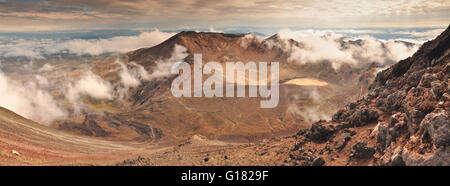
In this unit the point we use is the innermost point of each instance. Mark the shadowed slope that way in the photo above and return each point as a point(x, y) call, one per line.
point(25, 142)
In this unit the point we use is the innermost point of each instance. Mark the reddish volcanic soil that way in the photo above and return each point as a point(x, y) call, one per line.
point(23, 142)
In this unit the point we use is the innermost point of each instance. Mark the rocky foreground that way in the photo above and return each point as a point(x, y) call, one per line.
point(402, 121)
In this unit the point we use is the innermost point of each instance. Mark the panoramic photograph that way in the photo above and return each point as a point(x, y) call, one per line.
point(194, 83)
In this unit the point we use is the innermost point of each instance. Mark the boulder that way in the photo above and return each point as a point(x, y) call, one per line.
point(438, 127)
point(415, 77)
point(319, 133)
point(362, 151)
point(394, 101)
point(426, 80)
point(438, 158)
point(363, 117)
point(318, 161)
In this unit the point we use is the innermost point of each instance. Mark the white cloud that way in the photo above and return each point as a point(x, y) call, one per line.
point(42, 81)
point(46, 67)
point(115, 44)
point(163, 67)
point(32, 99)
point(128, 78)
point(352, 31)
point(21, 47)
point(398, 51)
point(91, 85)
point(132, 74)
point(29, 100)
point(18, 51)
point(38, 48)
point(316, 46)
point(211, 29)
point(248, 38)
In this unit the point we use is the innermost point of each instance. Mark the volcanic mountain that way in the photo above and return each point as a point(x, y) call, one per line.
point(308, 92)
point(400, 119)
point(403, 120)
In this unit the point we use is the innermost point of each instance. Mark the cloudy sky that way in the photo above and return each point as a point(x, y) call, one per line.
point(43, 15)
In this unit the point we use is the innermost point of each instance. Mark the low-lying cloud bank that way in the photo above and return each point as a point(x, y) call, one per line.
point(115, 44)
point(312, 46)
point(40, 48)
point(34, 100)
point(36, 48)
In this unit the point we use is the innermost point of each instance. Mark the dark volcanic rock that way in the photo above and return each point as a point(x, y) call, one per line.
point(363, 117)
point(438, 127)
point(394, 101)
point(319, 133)
point(389, 132)
point(338, 115)
point(362, 151)
point(318, 161)
point(438, 158)
point(397, 160)
point(384, 138)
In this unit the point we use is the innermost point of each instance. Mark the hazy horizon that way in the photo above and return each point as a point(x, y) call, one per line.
point(62, 15)
point(33, 27)
point(40, 45)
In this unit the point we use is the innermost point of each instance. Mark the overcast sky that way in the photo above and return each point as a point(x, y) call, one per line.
point(51, 15)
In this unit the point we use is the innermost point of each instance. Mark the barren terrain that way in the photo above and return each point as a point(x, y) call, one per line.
point(400, 119)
